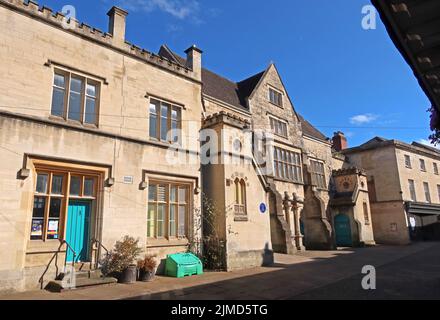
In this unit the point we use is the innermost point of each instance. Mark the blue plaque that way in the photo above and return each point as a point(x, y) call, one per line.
point(263, 208)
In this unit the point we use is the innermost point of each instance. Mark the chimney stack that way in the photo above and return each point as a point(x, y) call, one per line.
point(116, 24)
point(339, 141)
point(194, 61)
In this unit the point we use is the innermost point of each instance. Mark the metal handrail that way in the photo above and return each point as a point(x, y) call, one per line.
point(55, 256)
point(100, 245)
point(74, 254)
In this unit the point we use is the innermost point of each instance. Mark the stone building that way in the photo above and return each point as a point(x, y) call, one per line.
point(404, 188)
point(295, 161)
point(84, 119)
point(100, 139)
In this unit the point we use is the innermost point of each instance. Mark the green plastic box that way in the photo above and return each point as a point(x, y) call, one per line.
point(181, 265)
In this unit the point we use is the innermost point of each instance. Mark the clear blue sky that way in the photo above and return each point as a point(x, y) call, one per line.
point(335, 71)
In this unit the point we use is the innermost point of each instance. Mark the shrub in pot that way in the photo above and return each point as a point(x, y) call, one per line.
point(147, 268)
point(119, 263)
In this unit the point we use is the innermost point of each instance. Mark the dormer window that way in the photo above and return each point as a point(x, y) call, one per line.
point(275, 97)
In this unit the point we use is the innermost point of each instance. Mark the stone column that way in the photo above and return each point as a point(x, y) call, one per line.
point(287, 203)
point(297, 218)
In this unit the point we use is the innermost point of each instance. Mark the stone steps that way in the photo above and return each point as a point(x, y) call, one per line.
point(83, 279)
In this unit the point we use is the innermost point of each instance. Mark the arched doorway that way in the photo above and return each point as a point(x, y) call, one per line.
point(343, 231)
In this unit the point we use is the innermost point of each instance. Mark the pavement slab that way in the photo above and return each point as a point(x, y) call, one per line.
point(402, 271)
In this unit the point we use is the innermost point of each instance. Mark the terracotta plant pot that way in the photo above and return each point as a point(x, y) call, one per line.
point(146, 276)
point(128, 275)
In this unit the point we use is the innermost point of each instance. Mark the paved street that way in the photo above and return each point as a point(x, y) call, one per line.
point(409, 272)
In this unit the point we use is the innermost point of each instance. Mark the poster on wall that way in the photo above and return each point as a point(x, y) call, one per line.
point(37, 229)
point(52, 230)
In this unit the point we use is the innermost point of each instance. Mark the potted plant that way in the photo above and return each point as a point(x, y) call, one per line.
point(147, 268)
point(120, 261)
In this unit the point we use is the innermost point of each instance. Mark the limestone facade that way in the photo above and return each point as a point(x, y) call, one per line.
point(403, 189)
point(112, 157)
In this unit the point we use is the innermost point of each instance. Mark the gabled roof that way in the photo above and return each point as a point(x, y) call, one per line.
point(218, 87)
point(235, 93)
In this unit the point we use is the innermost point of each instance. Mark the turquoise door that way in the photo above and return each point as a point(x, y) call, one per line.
point(343, 231)
point(77, 230)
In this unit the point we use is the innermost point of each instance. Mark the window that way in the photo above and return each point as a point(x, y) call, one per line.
point(287, 165)
point(275, 97)
point(412, 190)
point(167, 210)
point(318, 173)
point(422, 165)
point(438, 192)
point(408, 161)
point(427, 194)
point(278, 127)
point(165, 121)
point(240, 197)
point(75, 97)
point(435, 168)
point(50, 199)
point(366, 215)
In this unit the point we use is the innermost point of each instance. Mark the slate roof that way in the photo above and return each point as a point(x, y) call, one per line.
point(218, 87)
point(379, 142)
point(310, 130)
point(234, 93)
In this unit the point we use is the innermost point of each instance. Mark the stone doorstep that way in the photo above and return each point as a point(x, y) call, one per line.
point(81, 283)
point(83, 279)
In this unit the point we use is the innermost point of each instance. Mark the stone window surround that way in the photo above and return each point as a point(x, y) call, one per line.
point(412, 190)
point(281, 161)
point(422, 165)
point(87, 78)
point(408, 161)
point(323, 174)
point(168, 203)
point(275, 118)
point(158, 119)
point(282, 95)
point(44, 163)
point(194, 189)
point(427, 192)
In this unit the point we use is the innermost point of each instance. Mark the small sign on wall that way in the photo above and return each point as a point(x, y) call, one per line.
point(263, 208)
point(128, 179)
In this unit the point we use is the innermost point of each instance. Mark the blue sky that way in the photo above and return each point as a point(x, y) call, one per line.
point(339, 76)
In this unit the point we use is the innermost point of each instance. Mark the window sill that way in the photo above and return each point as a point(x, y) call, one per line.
point(164, 143)
point(241, 219)
point(280, 136)
point(152, 243)
point(40, 246)
point(73, 122)
point(276, 105)
point(287, 180)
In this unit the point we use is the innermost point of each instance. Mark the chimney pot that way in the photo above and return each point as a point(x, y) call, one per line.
point(116, 25)
point(339, 141)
